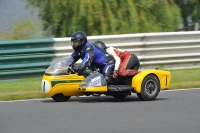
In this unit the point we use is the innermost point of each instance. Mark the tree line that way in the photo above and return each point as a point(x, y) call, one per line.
point(61, 18)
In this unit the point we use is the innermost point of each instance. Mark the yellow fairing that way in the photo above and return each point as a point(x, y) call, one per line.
point(66, 84)
point(95, 89)
point(164, 78)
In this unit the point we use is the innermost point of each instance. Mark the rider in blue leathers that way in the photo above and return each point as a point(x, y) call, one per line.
point(91, 56)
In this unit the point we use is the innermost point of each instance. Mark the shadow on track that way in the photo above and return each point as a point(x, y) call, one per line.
point(93, 99)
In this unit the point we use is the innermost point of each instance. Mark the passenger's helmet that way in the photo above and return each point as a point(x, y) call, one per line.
point(78, 40)
point(100, 44)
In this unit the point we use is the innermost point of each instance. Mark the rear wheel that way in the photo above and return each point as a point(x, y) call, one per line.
point(60, 97)
point(150, 88)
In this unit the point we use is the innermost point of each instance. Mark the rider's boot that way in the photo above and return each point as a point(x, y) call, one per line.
point(111, 81)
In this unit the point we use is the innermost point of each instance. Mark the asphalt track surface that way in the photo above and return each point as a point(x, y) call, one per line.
point(171, 112)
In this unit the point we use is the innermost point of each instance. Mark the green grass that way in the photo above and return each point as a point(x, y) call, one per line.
point(185, 78)
point(30, 88)
point(21, 89)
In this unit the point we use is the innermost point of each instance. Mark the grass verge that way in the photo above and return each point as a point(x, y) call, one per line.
point(30, 88)
point(185, 78)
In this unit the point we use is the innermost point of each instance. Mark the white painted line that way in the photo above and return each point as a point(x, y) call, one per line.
point(181, 89)
point(23, 100)
point(39, 99)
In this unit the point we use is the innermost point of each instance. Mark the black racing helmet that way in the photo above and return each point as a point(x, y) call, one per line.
point(78, 40)
point(100, 44)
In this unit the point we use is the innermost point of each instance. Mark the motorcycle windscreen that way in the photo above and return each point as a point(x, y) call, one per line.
point(59, 66)
point(94, 83)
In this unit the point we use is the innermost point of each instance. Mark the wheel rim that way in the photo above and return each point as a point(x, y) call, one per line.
point(151, 87)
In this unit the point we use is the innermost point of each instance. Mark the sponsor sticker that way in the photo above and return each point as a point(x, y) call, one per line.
point(96, 81)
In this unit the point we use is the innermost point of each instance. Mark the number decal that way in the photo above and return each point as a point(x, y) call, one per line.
point(96, 81)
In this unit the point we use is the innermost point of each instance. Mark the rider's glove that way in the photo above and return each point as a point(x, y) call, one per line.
point(77, 69)
point(115, 74)
point(80, 72)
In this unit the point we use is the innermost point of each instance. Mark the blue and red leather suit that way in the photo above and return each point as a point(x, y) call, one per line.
point(93, 56)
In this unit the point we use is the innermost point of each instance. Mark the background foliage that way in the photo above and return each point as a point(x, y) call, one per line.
point(101, 17)
point(190, 11)
point(60, 18)
point(20, 30)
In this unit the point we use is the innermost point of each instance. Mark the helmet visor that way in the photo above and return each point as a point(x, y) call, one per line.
point(75, 43)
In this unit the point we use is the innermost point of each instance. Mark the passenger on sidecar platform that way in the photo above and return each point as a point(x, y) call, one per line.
point(126, 63)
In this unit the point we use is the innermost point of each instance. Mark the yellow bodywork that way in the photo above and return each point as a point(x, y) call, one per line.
point(66, 84)
point(100, 89)
point(164, 78)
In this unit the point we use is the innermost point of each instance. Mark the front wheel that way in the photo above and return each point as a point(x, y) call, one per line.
point(60, 97)
point(150, 88)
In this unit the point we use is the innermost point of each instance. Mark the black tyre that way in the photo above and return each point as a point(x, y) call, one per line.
point(150, 88)
point(60, 97)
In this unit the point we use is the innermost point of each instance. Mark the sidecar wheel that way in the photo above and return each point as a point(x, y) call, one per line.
point(60, 97)
point(150, 88)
